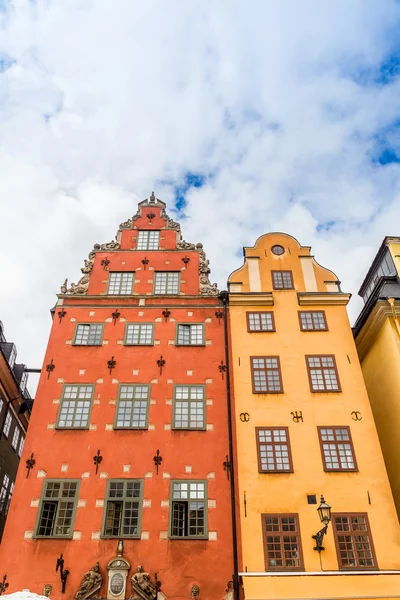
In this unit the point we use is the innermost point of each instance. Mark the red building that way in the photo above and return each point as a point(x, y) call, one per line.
point(130, 427)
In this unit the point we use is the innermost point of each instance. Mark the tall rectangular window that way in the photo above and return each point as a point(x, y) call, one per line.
point(57, 508)
point(322, 373)
point(189, 407)
point(7, 424)
point(273, 450)
point(139, 334)
point(282, 542)
point(132, 407)
point(337, 449)
point(354, 546)
point(88, 334)
point(15, 438)
point(282, 280)
point(21, 445)
point(166, 282)
point(266, 375)
point(188, 511)
point(75, 407)
point(148, 240)
point(260, 321)
point(3, 491)
point(120, 283)
point(10, 493)
point(312, 320)
point(191, 334)
point(123, 508)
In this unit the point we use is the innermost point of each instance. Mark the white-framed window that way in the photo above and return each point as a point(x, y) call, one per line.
point(148, 240)
point(166, 282)
point(15, 438)
point(7, 424)
point(3, 491)
point(21, 444)
point(88, 334)
point(189, 334)
point(121, 283)
point(139, 334)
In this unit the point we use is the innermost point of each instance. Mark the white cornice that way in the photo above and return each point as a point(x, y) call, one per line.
point(323, 298)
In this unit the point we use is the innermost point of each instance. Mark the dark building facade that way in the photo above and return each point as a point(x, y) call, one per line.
point(15, 409)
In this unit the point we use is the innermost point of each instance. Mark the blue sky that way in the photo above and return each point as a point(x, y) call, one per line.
point(245, 117)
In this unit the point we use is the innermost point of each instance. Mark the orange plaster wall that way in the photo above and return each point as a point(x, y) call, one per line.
point(30, 563)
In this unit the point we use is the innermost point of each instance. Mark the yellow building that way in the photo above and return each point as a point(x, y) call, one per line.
point(377, 335)
point(304, 428)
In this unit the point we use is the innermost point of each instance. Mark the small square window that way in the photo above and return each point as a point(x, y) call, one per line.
point(260, 321)
point(15, 438)
point(120, 283)
point(282, 280)
point(88, 334)
point(166, 282)
point(139, 334)
point(191, 334)
point(148, 240)
point(312, 320)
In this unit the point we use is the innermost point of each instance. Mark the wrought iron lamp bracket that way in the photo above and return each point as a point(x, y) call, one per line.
point(319, 537)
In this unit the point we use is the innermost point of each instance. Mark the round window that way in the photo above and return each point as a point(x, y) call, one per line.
point(117, 584)
point(278, 250)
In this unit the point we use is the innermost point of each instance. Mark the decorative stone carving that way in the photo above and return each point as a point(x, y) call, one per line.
point(91, 583)
point(195, 591)
point(142, 587)
point(182, 245)
point(110, 246)
point(47, 589)
point(64, 287)
point(117, 569)
point(206, 287)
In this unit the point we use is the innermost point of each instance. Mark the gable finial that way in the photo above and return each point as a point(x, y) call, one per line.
point(152, 198)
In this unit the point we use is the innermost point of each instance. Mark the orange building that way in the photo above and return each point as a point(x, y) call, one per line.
point(130, 429)
point(305, 429)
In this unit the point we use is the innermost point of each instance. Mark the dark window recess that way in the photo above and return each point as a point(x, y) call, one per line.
point(353, 539)
point(282, 280)
point(123, 509)
point(312, 499)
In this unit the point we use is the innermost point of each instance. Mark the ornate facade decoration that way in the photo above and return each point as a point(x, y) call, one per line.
point(206, 288)
point(142, 587)
point(91, 584)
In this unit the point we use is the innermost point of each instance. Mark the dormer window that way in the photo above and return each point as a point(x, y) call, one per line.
point(148, 240)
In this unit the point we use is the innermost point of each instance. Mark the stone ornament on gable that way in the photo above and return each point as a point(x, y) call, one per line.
point(81, 287)
point(91, 583)
point(142, 586)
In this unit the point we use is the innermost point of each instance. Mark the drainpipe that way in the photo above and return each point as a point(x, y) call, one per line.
point(396, 321)
point(224, 296)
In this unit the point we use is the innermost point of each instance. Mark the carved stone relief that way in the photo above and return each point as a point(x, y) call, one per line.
point(91, 584)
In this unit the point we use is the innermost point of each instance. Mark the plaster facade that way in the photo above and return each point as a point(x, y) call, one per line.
point(192, 452)
point(300, 571)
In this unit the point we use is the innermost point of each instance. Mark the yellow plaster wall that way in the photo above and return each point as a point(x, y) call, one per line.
point(382, 378)
point(287, 493)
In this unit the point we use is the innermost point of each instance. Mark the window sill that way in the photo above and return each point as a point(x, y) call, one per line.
point(187, 537)
point(52, 537)
point(126, 344)
point(120, 537)
point(188, 428)
point(202, 345)
point(115, 428)
point(86, 345)
point(58, 428)
point(341, 470)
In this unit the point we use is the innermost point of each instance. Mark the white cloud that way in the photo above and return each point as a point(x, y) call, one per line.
point(274, 102)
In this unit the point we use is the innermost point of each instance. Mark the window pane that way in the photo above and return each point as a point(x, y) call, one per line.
point(139, 333)
point(189, 407)
point(190, 335)
point(47, 518)
point(75, 406)
point(148, 240)
point(120, 283)
point(132, 406)
point(7, 424)
point(260, 321)
point(166, 283)
point(266, 375)
point(273, 448)
point(281, 542)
